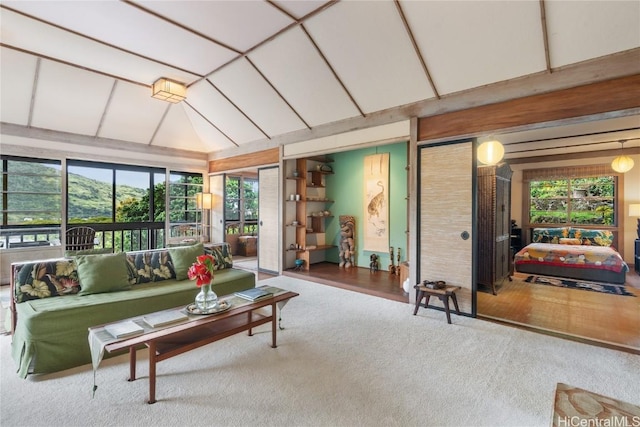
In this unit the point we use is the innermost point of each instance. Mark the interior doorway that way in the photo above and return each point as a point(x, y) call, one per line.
point(241, 191)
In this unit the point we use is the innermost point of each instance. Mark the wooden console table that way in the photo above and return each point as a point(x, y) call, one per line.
point(197, 331)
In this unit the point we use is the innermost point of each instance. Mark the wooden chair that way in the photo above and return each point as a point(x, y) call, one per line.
point(80, 238)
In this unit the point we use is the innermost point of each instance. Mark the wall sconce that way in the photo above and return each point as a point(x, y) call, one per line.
point(169, 90)
point(204, 200)
point(490, 152)
point(634, 211)
point(622, 163)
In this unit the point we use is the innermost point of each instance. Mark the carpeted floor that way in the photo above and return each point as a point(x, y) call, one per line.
point(344, 359)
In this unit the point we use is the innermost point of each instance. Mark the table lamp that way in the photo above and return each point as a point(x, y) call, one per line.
point(634, 210)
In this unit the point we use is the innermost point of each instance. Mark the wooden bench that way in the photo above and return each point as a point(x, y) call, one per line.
point(444, 294)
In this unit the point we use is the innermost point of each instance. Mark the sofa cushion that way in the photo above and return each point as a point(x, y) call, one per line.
point(183, 256)
point(46, 279)
point(150, 266)
point(102, 273)
point(221, 252)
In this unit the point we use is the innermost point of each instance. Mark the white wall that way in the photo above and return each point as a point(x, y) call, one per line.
point(631, 195)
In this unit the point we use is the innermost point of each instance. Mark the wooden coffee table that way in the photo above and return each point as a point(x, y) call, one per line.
point(199, 330)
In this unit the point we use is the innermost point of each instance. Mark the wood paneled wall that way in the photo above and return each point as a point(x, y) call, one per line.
point(259, 158)
point(612, 95)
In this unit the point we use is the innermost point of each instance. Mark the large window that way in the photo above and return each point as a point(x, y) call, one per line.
point(31, 201)
point(125, 204)
point(572, 196)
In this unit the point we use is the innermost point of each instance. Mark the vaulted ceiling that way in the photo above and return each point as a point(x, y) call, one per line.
point(262, 72)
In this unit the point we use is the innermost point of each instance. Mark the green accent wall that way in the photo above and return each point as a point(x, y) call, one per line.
point(346, 188)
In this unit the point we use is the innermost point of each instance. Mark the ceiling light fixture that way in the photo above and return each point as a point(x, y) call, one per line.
point(490, 152)
point(169, 90)
point(622, 163)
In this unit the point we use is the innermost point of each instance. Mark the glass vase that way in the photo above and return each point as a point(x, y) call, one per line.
point(206, 299)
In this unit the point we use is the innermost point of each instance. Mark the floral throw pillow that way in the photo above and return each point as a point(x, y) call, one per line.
point(151, 266)
point(46, 279)
point(222, 254)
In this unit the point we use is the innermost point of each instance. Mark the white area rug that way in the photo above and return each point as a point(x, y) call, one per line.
point(344, 359)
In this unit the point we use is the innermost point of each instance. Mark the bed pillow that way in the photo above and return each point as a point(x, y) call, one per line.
point(102, 273)
point(570, 241)
point(182, 258)
point(593, 237)
point(549, 235)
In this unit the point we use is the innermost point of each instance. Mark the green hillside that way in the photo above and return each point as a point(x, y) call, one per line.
point(88, 198)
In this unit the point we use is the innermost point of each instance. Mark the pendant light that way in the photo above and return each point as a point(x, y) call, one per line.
point(622, 163)
point(490, 152)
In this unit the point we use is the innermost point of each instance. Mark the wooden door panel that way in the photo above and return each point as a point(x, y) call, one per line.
point(268, 213)
point(446, 203)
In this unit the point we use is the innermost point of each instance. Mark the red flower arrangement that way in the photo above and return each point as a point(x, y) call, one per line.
point(202, 270)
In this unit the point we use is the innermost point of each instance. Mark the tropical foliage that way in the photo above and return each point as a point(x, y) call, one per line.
point(588, 200)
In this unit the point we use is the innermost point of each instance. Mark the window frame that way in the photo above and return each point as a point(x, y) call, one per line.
point(569, 173)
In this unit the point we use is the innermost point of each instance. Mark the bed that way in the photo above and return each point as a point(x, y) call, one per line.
point(573, 253)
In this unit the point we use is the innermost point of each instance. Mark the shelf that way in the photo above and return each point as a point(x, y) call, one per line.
point(321, 159)
point(296, 178)
point(317, 248)
point(321, 248)
point(321, 172)
point(318, 201)
point(295, 225)
point(316, 186)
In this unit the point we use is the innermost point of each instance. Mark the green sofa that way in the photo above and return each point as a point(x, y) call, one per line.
point(56, 301)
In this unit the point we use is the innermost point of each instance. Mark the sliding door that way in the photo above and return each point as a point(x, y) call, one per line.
point(446, 192)
point(216, 187)
point(268, 224)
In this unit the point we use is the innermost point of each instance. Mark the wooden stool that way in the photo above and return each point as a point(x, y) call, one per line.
point(444, 294)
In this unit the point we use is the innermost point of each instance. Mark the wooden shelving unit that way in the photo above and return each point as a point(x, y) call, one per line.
point(310, 186)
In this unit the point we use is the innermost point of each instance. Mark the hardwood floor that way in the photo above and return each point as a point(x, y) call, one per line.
point(593, 317)
point(381, 283)
point(611, 320)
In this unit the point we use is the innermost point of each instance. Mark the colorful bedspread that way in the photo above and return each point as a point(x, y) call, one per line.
point(579, 256)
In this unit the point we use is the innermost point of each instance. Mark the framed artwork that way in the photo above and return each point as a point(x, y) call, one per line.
point(376, 203)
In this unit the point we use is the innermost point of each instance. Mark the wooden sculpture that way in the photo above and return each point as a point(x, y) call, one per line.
point(392, 268)
point(347, 240)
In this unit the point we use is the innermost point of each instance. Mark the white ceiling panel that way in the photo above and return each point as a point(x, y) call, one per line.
point(292, 64)
point(54, 43)
point(209, 135)
point(485, 43)
point(121, 25)
point(17, 72)
point(299, 8)
point(209, 102)
point(239, 24)
point(580, 30)
point(256, 98)
point(69, 99)
point(132, 114)
point(368, 47)
point(176, 131)
point(273, 63)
